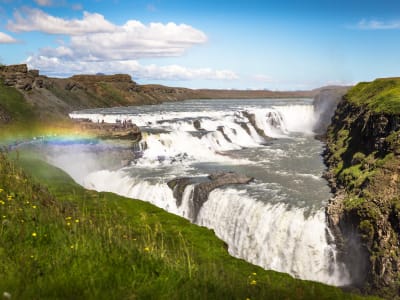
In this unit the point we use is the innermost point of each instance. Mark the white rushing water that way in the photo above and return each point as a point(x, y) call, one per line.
point(277, 222)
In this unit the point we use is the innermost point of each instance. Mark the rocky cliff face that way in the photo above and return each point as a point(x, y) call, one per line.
point(363, 156)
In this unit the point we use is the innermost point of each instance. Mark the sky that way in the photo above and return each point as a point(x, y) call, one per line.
point(235, 44)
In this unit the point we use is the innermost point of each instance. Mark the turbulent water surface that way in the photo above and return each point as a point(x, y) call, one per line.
point(276, 222)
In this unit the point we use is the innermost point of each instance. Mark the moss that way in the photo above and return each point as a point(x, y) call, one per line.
point(368, 162)
point(354, 176)
point(393, 141)
point(353, 202)
point(339, 148)
point(358, 158)
point(367, 230)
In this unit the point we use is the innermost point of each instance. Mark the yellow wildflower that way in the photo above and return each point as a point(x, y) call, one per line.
point(4, 217)
point(34, 206)
point(2, 202)
point(77, 221)
point(34, 234)
point(68, 224)
point(253, 282)
point(9, 197)
point(72, 246)
point(68, 218)
point(254, 273)
point(147, 249)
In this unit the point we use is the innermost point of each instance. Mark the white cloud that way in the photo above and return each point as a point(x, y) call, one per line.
point(96, 45)
point(377, 25)
point(6, 39)
point(44, 2)
point(31, 19)
point(95, 38)
point(135, 40)
point(58, 67)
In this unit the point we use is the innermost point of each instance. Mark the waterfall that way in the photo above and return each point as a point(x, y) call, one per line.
point(278, 233)
point(272, 236)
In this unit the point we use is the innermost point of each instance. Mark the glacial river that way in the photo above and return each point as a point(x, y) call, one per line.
point(277, 221)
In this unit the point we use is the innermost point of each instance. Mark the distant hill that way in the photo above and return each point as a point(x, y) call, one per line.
point(56, 97)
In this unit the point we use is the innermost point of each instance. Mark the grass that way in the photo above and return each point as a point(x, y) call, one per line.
point(14, 104)
point(66, 242)
point(380, 96)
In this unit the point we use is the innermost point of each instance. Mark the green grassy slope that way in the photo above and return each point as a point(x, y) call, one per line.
point(380, 96)
point(14, 105)
point(66, 242)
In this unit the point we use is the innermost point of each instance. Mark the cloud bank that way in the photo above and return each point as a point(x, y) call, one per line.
point(32, 19)
point(95, 44)
point(6, 39)
point(59, 67)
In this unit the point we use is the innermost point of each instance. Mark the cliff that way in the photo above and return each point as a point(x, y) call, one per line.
point(54, 98)
point(363, 156)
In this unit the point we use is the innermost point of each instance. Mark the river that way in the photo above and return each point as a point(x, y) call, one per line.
point(277, 221)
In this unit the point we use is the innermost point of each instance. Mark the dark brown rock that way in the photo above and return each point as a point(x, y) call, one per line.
point(203, 187)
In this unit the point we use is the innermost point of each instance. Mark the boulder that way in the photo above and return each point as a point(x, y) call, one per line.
point(203, 186)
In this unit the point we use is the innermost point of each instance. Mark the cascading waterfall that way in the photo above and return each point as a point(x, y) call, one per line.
point(278, 221)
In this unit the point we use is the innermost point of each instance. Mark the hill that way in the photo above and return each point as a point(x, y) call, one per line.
point(54, 98)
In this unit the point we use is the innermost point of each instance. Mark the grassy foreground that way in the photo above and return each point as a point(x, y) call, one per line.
point(66, 242)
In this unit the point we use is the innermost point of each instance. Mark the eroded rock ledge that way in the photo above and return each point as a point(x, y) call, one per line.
point(203, 186)
point(363, 156)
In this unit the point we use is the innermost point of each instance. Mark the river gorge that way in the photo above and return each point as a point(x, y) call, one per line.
point(277, 220)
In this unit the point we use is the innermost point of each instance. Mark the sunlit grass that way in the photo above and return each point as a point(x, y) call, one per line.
point(380, 96)
point(70, 243)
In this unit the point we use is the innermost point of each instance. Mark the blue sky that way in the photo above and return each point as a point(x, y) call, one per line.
point(278, 45)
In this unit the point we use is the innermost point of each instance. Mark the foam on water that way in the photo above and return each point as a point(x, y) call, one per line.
point(256, 222)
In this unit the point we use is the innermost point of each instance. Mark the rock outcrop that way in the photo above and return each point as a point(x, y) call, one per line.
point(121, 130)
point(203, 186)
point(363, 156)
point(20, 77)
